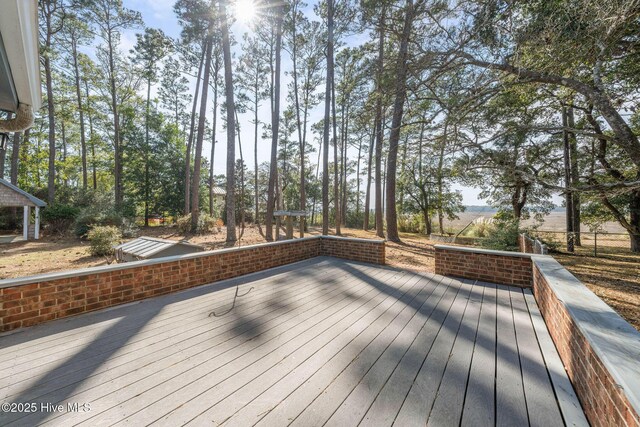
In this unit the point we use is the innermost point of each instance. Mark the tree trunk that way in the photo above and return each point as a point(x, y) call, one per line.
point(187, 168)
point(336, 185)
point(231, 125)
point(213, 131)
point(15, 156)
point(94, 172)
point(146, 154)
point(367, 197)
point(327, 118)
point(117, 173)
point(301, 140)
point(343, 180)
point(3, 153)
point(396, 123)
point(52, 121)
point(275, 127)
point(567, 183)
point(575, 176)
point(634, 221)
point(255, 148)
point(379, 127)
point(358, 176)
point(13, 172)
point(197, 162)
point(83, 141)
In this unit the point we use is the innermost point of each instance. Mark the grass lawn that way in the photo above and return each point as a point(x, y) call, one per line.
point(613, 277)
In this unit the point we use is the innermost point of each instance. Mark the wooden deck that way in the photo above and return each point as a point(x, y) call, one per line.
point(324, 341)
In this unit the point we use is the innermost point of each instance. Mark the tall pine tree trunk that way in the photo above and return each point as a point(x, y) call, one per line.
point(275, 126)
point(216, 68)
point(83, 141)
point(327, 118)
point(567, 182)
point(117, 173)
point(94, 172)
point(255, 148)
point(396, 123)
point(575, 175)
point(231, 124)
point(367, 197)
point(336, 168)
point(197, 161)
point(379, 127)
point(194, 107)
point(147, 183)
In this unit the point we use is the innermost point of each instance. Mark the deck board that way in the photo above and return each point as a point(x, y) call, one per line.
point(323, 341)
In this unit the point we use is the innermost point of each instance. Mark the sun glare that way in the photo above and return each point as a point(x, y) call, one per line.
point(245, 11)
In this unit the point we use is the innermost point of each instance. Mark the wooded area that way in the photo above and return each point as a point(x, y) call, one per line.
point(524, 99)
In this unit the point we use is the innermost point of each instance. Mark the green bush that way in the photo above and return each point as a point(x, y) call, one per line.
point(206, 224)
point(184, 224)
point(59, 218)
point(410, 223)
point(103, 240)
point(481, 227)
point(504, 236)
point(89, 218)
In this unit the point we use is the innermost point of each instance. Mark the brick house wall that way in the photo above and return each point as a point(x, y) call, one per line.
point(33, 300)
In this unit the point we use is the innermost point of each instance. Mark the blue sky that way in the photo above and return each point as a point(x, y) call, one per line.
point(159, 14)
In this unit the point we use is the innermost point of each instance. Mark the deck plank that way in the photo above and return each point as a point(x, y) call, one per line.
point(355, 406)
point(418, 402)
point(541, 401)
point(568, 402)
point(479, 403)
point(449, 403)
point(387, 403)
point(511, 407)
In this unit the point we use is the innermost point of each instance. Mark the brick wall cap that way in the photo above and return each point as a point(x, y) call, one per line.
point(7, 283)
point(486, 251)
point(615, 342)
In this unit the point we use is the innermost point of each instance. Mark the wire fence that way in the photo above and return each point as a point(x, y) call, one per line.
point(585, 243)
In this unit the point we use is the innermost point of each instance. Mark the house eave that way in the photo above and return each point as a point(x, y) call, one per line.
point(19, 31)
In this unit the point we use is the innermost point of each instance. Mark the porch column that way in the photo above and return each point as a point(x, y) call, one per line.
point(36, 232)
point(25, 223)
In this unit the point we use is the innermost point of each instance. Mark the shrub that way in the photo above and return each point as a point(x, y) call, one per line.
point(59, 218)
point(184, 224)
point(89, 218)
point(206, 224)
point(103, 239)
point(410, 223)
point(504, 236)
point(481, 227)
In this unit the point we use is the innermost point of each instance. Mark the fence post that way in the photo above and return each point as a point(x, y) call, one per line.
point(595, 244)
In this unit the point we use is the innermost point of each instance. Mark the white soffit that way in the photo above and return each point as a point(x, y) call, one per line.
point(19, 29)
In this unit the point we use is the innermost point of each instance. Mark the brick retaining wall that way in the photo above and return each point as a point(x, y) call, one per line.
point(364, 250)
point(33, 300)
point(600, 350)
point(506, 268)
